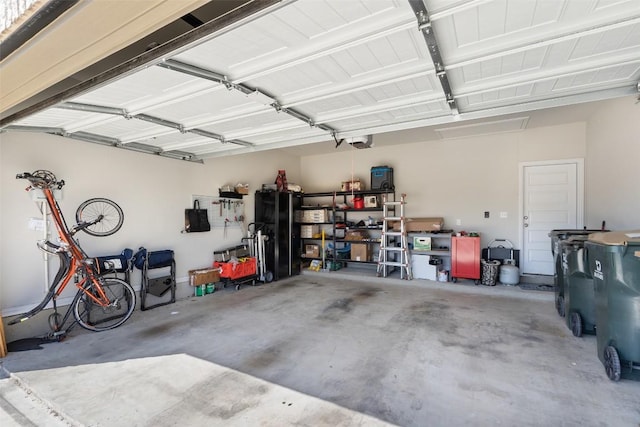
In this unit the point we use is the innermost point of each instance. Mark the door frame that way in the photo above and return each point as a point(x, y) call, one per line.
point(579, 162)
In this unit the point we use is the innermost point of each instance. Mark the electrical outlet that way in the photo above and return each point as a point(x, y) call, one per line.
point(503, 215)
point(486, 214)
point(458, 222)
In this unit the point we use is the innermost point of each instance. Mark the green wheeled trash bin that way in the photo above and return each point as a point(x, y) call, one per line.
point(579, 297)
point(557, 236)
point(614, 261)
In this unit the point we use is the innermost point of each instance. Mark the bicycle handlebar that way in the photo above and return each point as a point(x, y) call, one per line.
point(86, 224)
point(49, 247)
point(41, 179)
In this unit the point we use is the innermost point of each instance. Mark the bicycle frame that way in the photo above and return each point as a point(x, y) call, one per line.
point(73, 261)
point(78, 256)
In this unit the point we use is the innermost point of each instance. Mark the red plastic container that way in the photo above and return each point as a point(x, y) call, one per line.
point(358, 203)
point(231, 270)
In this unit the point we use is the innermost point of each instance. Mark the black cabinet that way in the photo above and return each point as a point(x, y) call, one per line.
point(274, 211)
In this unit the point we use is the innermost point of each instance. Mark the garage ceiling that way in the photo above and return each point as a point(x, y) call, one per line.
point(311, 71)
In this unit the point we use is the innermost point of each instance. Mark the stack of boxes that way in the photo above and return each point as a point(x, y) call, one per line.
point(203, 280)
point(311, 230)
point(316, 216)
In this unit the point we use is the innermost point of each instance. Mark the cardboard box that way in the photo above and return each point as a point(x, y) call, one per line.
point(422, 243)
point(311, 251)
point(309, 231)
point(312, 216)
point(203, 276)
point(242, 189)
point(354, 185)
point(360, 252)
point(356, 235)
point(420, 224)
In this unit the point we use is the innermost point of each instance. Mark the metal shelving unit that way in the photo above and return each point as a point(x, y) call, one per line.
point(330, 200)
point(439, 241)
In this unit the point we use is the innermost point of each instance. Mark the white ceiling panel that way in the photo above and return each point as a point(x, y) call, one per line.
point(312, 70)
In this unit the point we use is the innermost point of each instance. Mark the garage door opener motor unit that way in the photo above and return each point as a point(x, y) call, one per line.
point(382, 178)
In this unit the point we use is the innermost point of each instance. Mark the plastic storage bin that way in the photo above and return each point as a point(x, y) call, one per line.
point(382, 178)
point(579, 299)
point(557, 236)
point(614, 262)
point(236, 270)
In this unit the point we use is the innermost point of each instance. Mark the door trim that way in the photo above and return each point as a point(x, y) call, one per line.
point(579, 162)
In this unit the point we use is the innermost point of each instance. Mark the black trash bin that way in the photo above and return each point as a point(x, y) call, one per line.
point(614, 261)
point(557, 236)
point(579, 299)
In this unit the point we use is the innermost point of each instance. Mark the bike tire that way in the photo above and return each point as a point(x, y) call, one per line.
point(94, 317)
point(90, 210)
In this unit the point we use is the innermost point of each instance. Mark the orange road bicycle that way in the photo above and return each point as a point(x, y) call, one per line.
point(101, 303)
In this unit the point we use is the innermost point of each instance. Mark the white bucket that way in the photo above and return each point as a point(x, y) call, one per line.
point(443, 276)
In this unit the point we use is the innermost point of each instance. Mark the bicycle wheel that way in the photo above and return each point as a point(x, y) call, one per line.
point(110, 214)
point(122, 302)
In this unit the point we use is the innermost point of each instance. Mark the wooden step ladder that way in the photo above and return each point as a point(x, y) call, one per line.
point(388, 247)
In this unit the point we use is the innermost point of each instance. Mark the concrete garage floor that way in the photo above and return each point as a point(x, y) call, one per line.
point(321, 350)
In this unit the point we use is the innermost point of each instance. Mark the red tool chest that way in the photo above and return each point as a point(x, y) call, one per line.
point(465, 258)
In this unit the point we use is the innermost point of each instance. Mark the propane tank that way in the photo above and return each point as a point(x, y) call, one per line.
point(509, 273)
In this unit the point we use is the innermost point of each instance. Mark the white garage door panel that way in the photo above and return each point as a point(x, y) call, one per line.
point(207, 107)
point(128, 130)
point(300, 135)
point(475, 30)
point(623, 39)
point(361, 61)
point(177, 141)
point(402, 114)
point(291, 33)
point(69, 120)
point(359, 67)
point(260, 122)
point(151, 86)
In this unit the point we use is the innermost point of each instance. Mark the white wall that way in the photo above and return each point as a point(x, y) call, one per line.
point(153, 192)
point(455, 178)
point(613, 165)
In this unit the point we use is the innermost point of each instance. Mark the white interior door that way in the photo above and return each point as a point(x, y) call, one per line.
point(552, 199)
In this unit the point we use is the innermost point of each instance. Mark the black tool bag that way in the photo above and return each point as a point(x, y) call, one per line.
point(196, 219)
